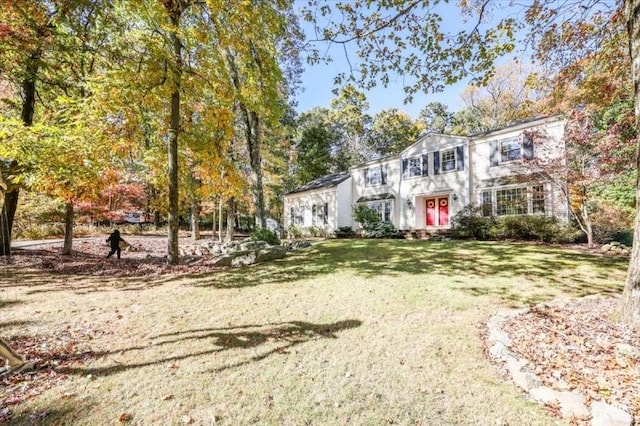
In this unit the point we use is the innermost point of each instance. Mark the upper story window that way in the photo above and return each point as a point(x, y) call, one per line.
point(415, 166)
point(375, 176)
point(448, 160)
point(511, 149)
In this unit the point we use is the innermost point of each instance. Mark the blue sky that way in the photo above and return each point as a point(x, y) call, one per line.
point(318, 80)
point(318, 84)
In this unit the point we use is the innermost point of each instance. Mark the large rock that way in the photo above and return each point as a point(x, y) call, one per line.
point(572, 405)
point(270, 253)
point(604, 414)
point(244, 259)
point(224, 260)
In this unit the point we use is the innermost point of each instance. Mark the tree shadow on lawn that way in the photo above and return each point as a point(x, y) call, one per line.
point(375, 258)
point(43, 416)
point(284, 335)
point(16, 323)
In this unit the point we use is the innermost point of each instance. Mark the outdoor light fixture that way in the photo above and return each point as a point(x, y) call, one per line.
point(455, 197)
point(409, 204)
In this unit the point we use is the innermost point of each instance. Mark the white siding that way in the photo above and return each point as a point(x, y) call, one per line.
point(344, 204)
point(444, 184)
point(483, 172)
point(304, 202)
point(359, 189)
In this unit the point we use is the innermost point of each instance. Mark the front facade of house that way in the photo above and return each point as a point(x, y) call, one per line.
point(428, 183)
point(324, 204)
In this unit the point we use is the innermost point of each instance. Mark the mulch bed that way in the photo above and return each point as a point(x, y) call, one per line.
point(575, 346)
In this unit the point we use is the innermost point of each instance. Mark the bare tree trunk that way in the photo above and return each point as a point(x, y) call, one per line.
point(175, 10)
point(220, 220)
point(195, 217)
point(231, 213)
point(629, 307)
point(68, 228)
point(7, 215)
point(253, 140)
point(213, 224)
point(252, 132)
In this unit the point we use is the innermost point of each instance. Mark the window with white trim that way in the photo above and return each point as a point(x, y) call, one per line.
point(513, 201)
point(487, 203)
point(537, 199)
point(382, 208)
point(448, 160)
point(319, 214)
point(510, 150)
point(375, 176)
point(297, 216)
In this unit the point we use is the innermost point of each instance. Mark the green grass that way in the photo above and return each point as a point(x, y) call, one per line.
point(365, 332)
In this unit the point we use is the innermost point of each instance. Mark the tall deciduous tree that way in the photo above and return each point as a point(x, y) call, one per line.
point(506, 97)
point(314, 153)
point(24, 31)
point(349, 118)
point(630, 303)
point(436, 117)
point(391, 132)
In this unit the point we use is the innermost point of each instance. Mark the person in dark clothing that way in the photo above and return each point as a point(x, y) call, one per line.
point(114, 239)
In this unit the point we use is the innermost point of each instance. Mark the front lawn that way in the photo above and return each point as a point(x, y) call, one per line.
point(363, 332)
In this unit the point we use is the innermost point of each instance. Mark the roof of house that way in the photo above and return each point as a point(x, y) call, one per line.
point(323, 182)
point(518, 123)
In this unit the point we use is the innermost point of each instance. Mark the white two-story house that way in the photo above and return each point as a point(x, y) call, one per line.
point(429, 182)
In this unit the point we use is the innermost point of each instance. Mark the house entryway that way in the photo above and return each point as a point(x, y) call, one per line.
point(437, 209)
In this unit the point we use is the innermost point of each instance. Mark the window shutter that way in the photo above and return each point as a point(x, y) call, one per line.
point(405, 164)
point(383, 174)
point(460, 157)
point(425, 164)
point(436, 162)
point(366, 177)
point(527, 147)
point(495, 159)
point(326, 213)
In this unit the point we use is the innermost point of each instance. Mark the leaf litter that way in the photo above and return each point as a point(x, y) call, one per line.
point(574, 345)
point(49, 353)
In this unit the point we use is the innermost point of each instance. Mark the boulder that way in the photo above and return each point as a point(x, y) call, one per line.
point(244, 259)
point(270, 253)
point(224, 260)
point(604, 414)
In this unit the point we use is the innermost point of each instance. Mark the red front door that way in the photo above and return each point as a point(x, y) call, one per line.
point(431, 212)
point(443, 210)
point(438, 211)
